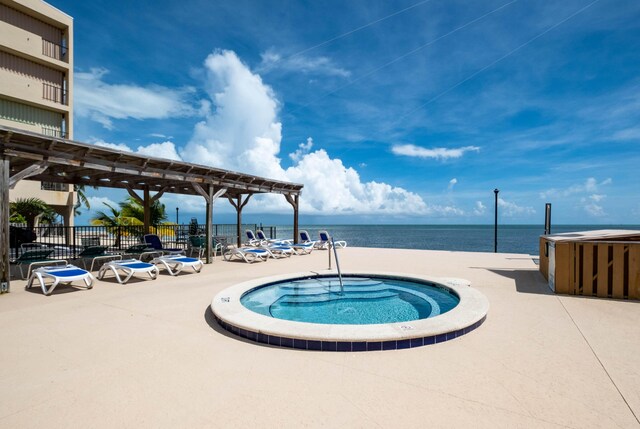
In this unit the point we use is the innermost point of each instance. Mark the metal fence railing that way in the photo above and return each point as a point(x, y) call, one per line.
point(68, 241)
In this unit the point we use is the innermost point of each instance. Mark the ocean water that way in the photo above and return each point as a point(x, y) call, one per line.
point(468, 238)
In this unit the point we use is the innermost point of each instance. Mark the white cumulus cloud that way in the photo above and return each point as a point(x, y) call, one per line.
point(479, 208)
point(165, 150)
point(587, 195)
point(452, 183)
point(438, 153)
point(103, 102)
point(509, 209)
point(98, 204)
point(590, 185)
point(242, 132)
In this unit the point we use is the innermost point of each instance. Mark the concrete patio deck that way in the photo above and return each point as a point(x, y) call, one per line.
point(149, 354)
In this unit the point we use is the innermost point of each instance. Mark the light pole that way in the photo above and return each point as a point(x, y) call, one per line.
point(547, 218)
point(177, 216)
point(495, 223)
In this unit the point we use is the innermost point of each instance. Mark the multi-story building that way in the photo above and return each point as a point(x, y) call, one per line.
point(36, 84)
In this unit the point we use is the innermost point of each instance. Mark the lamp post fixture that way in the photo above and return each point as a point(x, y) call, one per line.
point(177, 215)
point(495, 224)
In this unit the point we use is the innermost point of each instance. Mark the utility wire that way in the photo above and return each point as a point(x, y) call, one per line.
point(395, 60)
point(511, 52)
point(355, 30)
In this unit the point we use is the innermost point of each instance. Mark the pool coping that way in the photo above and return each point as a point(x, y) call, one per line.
point(465, 317)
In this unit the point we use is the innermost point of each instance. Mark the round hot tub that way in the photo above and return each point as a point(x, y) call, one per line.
point(359, 312)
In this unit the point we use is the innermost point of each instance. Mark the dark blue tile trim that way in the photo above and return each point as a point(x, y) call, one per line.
point(359, 346)
point(375, 345)
point(346, 346)
point(329, 346)
point(403, 344)
point(314, 345)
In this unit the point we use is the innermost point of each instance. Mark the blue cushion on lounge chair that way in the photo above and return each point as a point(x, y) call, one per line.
point(155, 242)
point(66, 274)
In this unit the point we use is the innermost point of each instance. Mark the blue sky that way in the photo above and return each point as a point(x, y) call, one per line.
point(387, 112)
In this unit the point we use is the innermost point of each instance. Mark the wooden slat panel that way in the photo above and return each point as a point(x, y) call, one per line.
point(587, 270)
point(571, 287)
point(603, 270)
point(562, 268)
point(634, 271)
point(618, 270)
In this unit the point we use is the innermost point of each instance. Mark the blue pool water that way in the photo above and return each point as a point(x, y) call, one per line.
point(363, 300)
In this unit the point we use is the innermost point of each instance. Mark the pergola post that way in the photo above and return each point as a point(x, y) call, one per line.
point(295, 203)
point(239, 205)
point(146, 203)
point(5, 267)
point(210, 197)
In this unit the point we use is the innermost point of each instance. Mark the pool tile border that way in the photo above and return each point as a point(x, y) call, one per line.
point(346, 346)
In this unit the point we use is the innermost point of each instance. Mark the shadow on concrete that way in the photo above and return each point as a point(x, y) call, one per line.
point(213, 324)
point(61, 289)
point(531, 281)
point(526, 280)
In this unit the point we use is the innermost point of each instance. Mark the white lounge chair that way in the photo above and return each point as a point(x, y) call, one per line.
point(325, 241)
point(279, 250)
point(264, 240)
point(303, 248)
point(64, 275)
point(174, 264)
point(305, 237)
point(252, 240)
point(248, 254)
point(128, 267)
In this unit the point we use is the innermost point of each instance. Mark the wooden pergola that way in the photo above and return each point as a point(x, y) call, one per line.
point(31, 156)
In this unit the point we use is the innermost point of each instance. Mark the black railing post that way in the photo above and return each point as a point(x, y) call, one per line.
point(495, 224)
point(547, 219)
point(73, 238)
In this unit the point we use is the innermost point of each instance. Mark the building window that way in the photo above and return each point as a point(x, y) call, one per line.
point(50, 186)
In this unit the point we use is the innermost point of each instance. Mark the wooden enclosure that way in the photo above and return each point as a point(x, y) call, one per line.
point(595, 263)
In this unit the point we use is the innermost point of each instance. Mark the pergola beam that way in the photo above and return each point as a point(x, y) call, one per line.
point(32, 156)
point(32, 170)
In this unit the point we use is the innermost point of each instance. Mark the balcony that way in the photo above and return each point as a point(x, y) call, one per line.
point(54, 132)
point(54, 93)
point(54, 50)
point(50, 186)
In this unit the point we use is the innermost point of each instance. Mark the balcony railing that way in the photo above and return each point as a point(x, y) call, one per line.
point(53, 186)
point(54, 93)
point(54, 50)
point(54, 132)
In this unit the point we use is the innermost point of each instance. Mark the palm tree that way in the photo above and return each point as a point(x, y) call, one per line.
point(113, 220)
point(133, 209)
point(30, 209)
point(82, 199)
